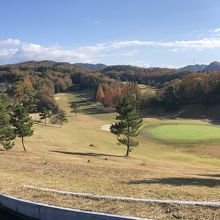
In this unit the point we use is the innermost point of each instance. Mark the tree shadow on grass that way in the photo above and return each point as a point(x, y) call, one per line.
point(85, 154)
point(176, 181)
point(86, 94)
point(97, 110)
point(45, 125)
point(90, 108)
point(87, 103)
point(209, 175)
point(82, 103)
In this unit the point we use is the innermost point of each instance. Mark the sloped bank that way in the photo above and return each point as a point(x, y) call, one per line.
point(48, 212)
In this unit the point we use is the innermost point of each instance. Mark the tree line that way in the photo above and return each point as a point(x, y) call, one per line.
point(155, 77)
point(201, 88)
point(35, 83)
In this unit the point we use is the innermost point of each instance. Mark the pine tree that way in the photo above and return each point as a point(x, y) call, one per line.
point(128, 125)
point(99, 93)
point(59, 118)
point(22, 123)
point(7, 134)
point(44, 114)
point(74, 107)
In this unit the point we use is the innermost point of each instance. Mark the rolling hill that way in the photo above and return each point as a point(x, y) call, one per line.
point(92, 67)
point(214, 66)
point(195, 68)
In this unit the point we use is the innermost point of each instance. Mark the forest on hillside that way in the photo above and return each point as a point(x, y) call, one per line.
point(34, 84)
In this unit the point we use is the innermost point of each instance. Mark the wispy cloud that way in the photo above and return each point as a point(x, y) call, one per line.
point(214, 32)
point(203, 43)
point(94, 21)
point(15, 50)
point(217, 30)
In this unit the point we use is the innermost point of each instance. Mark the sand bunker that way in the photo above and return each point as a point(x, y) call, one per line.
point(105, 127)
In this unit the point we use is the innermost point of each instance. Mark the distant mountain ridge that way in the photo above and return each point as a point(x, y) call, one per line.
point(53, 64)
point(92, 67)
point(194, 68)
point(45, 64)
point(214, 66)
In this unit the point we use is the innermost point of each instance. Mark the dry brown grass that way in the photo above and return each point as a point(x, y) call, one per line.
point(154, 170)
point(151, 210)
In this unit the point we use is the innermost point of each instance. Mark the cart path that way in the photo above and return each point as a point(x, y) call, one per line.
point(144, 200)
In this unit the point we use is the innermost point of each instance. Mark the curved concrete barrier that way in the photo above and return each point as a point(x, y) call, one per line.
point(49, 212)
point(129, 199)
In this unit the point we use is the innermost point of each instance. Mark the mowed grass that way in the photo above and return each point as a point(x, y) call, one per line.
point(183, 133)
point(147, 89)
point(80, 157)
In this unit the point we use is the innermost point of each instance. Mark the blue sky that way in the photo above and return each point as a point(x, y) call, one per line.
point(170, 33)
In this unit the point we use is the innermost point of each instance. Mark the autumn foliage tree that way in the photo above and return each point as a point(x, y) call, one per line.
point(100, 93)
point(24, 93)
point(114, 91)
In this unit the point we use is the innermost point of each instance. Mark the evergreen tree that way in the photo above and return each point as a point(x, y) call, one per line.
point(7, 134)
point(74, 107)
point(59, 118)
point(22, 123)
point(44, 114)
point(128, 125)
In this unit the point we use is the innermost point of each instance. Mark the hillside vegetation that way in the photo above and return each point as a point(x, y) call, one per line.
point(35, 83)
point(81, 157)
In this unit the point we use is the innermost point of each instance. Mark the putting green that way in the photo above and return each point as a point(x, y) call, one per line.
point(186, 133)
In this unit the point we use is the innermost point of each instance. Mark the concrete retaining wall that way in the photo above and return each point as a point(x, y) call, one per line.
point(48, 212)
point(128, 199)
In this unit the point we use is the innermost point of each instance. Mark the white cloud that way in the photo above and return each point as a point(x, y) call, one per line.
point(140, 63)
point(203, 43)
point(10, 42)
point(217, 30)
point(14, 50)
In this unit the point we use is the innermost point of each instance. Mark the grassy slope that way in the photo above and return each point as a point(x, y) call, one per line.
point(62, 158)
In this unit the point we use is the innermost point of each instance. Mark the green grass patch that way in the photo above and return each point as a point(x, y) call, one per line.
point(183, 133)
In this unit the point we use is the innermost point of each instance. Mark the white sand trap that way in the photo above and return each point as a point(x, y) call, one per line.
point(105, 127)
point(57, 98)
